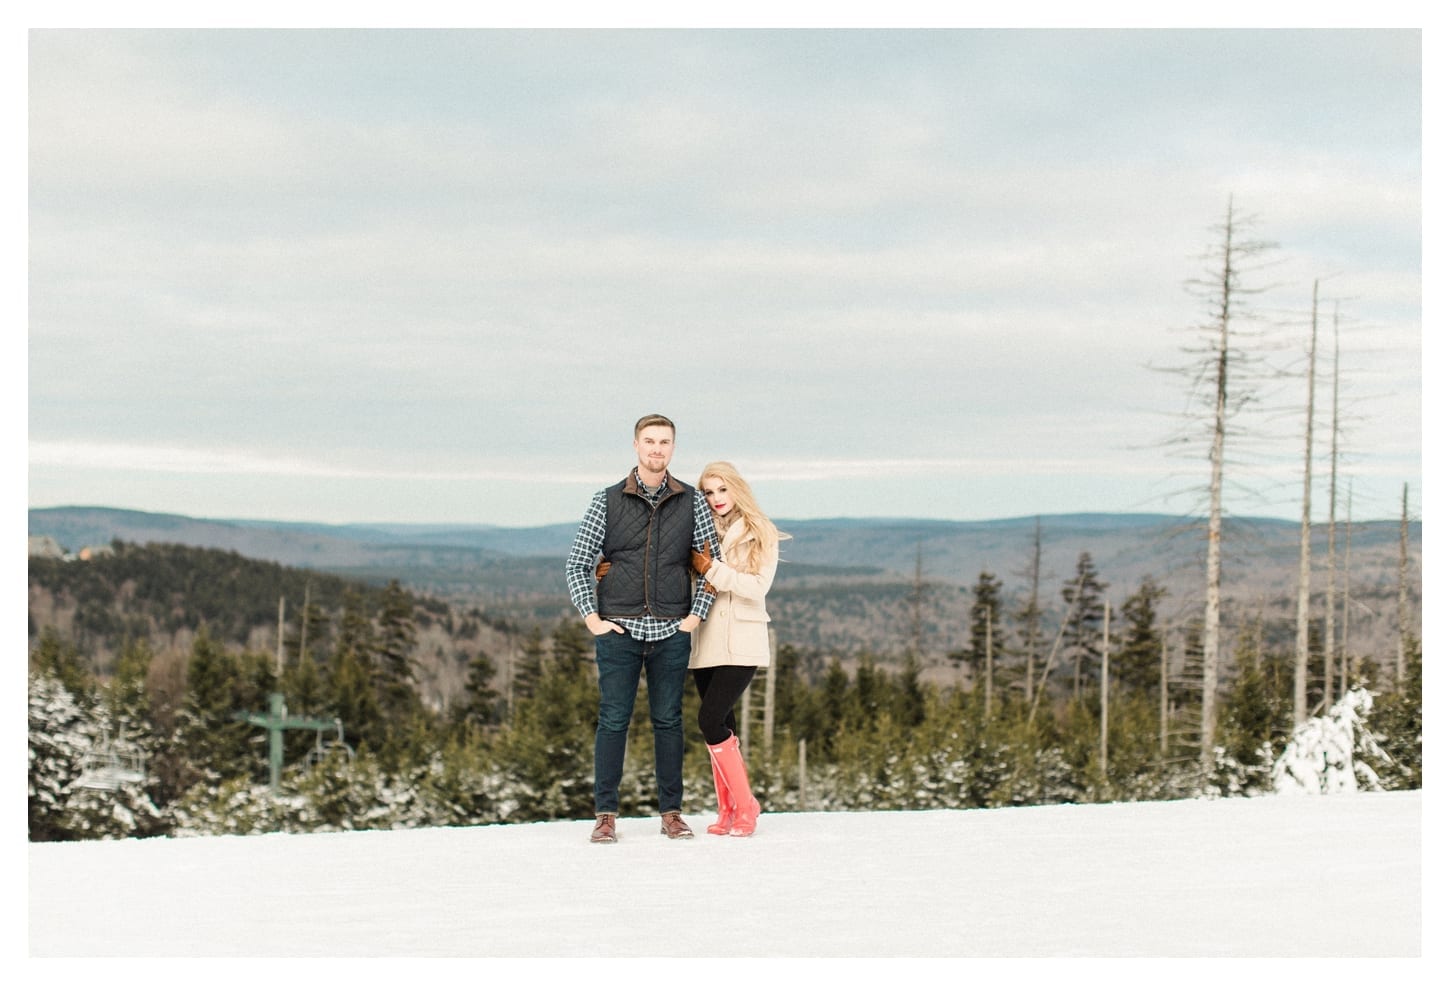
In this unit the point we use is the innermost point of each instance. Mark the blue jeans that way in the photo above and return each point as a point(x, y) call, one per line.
point(665, 662)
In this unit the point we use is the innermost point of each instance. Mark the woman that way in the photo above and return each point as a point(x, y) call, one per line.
point(728, 647)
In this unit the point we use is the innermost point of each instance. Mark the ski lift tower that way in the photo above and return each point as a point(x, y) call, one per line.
point(276, 721)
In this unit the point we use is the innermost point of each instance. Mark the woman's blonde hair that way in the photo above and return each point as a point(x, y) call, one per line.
point(767, 535)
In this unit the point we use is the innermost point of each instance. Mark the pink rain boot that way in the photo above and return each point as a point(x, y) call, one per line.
point(721, 825)
point(731, 765)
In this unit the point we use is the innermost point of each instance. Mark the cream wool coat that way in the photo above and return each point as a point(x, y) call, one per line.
point(737, 629)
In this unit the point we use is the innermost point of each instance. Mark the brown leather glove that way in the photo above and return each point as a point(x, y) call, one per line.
point(701, 562)
point(601, 570)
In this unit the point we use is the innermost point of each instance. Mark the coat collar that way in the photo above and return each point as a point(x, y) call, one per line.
point(736, 533)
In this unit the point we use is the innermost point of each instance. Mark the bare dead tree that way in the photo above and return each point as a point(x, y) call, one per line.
point(1052, 654)
point(1103, 690)
point(1163, 698)
point(1344, 601)
point(989, 662)
point(281, 633)
point(1403, 611)
point(1331, 561)
point(1301, 634)
point(306, 616)
point(1222, 378)
point(918, 594)
point(1030, 615)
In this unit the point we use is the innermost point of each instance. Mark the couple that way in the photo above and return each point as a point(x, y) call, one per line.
point(671, 578)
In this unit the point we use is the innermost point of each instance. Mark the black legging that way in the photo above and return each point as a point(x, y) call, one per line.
point(720, 688)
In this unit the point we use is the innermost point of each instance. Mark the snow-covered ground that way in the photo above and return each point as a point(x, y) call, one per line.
point(1281, 876)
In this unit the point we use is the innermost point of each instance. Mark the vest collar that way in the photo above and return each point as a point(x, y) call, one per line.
point(632, 484)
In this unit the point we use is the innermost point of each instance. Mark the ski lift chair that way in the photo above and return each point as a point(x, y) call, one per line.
point(322, 750)
point(110, 765)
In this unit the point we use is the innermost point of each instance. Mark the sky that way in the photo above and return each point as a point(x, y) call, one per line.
point(1334, 882)
point(434, 276)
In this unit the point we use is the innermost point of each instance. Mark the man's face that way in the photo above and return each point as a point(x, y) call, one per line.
point(655, 446)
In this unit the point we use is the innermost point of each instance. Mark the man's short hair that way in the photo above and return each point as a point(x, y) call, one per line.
point(650, 421)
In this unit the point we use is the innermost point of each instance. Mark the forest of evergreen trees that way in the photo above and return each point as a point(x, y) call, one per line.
point(370, 748)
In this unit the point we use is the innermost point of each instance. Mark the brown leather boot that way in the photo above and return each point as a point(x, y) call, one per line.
point(603, 828)
point(673, 825)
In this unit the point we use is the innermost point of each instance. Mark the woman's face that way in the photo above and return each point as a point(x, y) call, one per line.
point(717, 495)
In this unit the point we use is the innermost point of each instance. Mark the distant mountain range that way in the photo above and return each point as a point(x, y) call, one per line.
point(829, 565)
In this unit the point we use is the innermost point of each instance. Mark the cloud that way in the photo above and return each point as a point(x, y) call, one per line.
point(354, 254)
point(184, 461)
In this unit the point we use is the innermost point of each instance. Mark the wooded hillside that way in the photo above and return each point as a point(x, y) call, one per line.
point(152, 669)
point(846, 587)
point(163, 595)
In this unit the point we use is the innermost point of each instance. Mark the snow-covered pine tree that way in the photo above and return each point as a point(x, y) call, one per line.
point(1333, 753)
point(63, 734)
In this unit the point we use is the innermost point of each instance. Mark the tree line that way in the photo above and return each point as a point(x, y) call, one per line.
point(1031, 721)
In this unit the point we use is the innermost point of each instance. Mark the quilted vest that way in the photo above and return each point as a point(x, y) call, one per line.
point(648, 550)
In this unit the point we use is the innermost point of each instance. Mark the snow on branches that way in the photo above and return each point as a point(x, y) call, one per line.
point(1330, 754)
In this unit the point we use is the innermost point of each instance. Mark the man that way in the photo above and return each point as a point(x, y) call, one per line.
point(641, 612)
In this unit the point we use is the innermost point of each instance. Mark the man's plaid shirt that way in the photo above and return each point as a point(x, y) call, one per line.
point(585, 553)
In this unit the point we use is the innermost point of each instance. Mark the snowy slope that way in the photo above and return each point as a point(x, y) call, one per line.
point(1335, 876)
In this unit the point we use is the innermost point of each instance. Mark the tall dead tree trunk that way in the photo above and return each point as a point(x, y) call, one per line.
point(1223, 378)
point(1213, 575)
point(1103, 682)
point(1301, 634)
point(770, 693)
point(1031, 615)
point(1163, 698)
point(1402, 611)
point(1344, 597)
point(281, 633)
point(989, 663)
point(1331, 594)
point(306, 618)
point(1051, 658)
point(918, 591)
